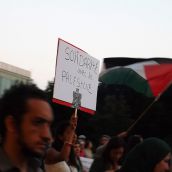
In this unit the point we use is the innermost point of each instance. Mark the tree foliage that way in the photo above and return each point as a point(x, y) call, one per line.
point(117, 108)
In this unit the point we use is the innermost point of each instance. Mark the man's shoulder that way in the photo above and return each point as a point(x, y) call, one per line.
point(38, 170)
point(6, 165)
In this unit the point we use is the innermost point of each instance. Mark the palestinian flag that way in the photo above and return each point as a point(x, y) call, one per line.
point(149, 76)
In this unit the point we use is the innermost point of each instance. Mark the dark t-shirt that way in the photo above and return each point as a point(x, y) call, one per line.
point(7, 166)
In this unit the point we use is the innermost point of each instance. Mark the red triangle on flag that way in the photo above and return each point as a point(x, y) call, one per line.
point(159, 77)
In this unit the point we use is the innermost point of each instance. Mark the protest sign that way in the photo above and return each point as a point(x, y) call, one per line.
point(76, 78)
point(86, 163)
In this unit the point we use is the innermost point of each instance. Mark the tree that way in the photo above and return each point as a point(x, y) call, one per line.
point(117, 108)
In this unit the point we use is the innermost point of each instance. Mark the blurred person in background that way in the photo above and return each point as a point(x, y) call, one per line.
point(104, 139)
point(152, 155)
point(88, 149)
point(101, 148)
point(82, 142)
point(75, 162)
point(132, 141)
point(109, 161)
point(58, 156)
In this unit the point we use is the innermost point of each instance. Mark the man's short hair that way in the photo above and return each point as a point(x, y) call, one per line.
point(13, 102)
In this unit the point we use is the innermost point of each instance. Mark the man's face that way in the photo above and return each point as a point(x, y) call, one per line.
point(34, 132)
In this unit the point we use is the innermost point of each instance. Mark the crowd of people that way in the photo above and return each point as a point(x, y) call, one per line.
point(29, 143)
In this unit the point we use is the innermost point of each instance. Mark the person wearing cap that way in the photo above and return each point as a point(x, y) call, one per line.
point(82, 142)
point(82, 137)
point(152, 155)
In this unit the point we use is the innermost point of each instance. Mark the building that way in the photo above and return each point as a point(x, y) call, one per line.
point(9, 75)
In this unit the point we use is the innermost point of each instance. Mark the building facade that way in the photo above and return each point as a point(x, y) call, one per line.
point(9, 75)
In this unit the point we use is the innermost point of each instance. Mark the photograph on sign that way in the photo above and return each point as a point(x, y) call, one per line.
point(76, 78)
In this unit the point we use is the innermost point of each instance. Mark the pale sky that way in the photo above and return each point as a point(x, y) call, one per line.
point(29, 31)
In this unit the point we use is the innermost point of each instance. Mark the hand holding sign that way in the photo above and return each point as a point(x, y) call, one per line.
point(73, 121)
point(70, 133)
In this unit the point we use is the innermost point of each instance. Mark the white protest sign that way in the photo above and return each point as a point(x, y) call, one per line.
point(76, 72)
point(86, 163)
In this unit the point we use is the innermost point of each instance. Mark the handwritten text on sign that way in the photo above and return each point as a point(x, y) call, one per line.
point(75, 69)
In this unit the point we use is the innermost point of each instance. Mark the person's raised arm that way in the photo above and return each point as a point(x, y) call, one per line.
point(54, 156)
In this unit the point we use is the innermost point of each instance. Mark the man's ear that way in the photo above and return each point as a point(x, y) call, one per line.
point(10, 124)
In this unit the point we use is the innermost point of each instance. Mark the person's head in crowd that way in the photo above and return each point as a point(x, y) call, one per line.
point(25, 121)
point(152, 155)
point(88, 149)
point(77, 148)
point(82, 141)
point(133, 140)
point(104, 139)
point(114, 150)
point(88, 144)
point(82, 138)
point(75, 157)
point(61, 132)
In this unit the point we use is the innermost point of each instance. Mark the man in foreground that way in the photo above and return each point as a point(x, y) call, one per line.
point(25, 120)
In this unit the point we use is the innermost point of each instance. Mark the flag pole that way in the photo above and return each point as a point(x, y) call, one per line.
point(146, 110)
point(142, 114)
point(76, 110)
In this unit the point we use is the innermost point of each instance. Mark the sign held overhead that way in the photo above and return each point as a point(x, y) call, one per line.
point(76, 78)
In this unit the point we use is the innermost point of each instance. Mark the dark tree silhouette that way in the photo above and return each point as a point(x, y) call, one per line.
point(117, 108)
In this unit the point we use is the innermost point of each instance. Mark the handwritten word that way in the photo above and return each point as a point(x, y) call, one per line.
point(80, 60)
point(81, 72)
point(75, 81)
